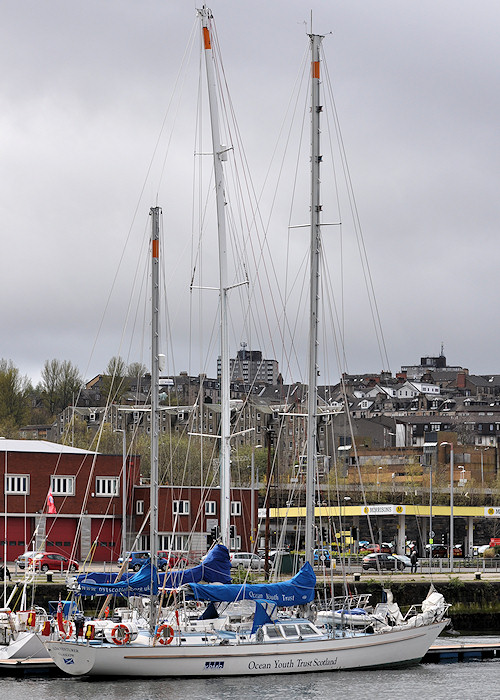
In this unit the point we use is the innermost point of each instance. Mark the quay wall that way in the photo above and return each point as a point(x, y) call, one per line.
point(475, 605)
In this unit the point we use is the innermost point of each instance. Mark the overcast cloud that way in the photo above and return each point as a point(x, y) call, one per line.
point(83, 90)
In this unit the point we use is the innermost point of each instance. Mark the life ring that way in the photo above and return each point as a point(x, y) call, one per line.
point(66, 629)
point(120, 634)
point(165, 634)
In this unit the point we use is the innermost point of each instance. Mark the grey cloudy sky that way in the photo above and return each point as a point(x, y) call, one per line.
point(83, 90)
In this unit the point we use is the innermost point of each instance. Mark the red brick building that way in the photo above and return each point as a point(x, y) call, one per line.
point(187, 515)
point(87, 490)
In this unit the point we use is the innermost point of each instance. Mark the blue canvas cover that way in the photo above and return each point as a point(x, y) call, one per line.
point(261, 617)
point(215, 568)
point(297, 591)
point(136, 584)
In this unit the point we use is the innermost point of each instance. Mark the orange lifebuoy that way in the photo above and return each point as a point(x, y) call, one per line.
point(120, 634)
point(66, 629)
point(165, 634)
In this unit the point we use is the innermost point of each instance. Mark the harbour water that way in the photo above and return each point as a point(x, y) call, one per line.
point(455, 681)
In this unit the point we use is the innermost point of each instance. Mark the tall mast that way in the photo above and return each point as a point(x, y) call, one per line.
point(155, 380)
point(220, 154)
point(312, 399)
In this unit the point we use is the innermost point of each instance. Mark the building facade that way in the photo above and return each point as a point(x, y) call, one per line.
point(89, 500)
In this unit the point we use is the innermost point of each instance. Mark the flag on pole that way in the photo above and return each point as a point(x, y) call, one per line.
point(60, 614)
point(51, 506)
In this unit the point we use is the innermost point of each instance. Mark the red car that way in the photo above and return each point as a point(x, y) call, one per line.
point(383, 548)
point(53, 561)
point(175, 560)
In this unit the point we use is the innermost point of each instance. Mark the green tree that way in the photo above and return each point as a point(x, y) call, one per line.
point(77, 434)
point(9, 428)
point(180, 460)
point(105, 441)
point(15, 391)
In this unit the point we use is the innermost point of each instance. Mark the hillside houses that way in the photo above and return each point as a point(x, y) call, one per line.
point(377, 411)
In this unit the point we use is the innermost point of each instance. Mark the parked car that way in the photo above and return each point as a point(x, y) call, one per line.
point(322, 555)
point(166, 560)
point(246, 560)
point(402, 557)
point(442, 551)
point(45, 561)
point(273, 553)
point(171, 560)
point(382, 560)
point(23, 560)
point(385, 547)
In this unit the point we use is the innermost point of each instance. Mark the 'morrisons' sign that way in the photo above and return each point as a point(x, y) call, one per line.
point(385, 509)
point(492, 512)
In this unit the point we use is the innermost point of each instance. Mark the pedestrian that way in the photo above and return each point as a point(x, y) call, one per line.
point(414, 560)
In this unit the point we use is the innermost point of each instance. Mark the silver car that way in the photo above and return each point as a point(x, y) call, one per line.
point(23, 560)
point(246, 560)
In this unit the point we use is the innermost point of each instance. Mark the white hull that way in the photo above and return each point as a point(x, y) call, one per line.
point(28, 645)
point(393, 648)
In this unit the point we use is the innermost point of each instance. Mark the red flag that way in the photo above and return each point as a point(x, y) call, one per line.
point(59, 616)
point(51, 506)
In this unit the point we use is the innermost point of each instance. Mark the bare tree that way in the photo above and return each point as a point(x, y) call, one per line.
point(113, 383)
point(61, 383)
point(137, 370)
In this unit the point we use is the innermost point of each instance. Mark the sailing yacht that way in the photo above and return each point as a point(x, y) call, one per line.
point(271, 628)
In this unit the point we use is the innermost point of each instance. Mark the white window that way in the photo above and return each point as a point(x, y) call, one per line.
point(235, 543)
point(62, 485)
point(139, 508)
point(172, 543)
point(235, 507)
point(106, 486)
point(210, 508)
point(181, 507)
point(17, 483)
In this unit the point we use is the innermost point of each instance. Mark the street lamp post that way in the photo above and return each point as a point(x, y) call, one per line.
point(431, 532)
point(451, 503)
point(343, 525)
point(252, 504)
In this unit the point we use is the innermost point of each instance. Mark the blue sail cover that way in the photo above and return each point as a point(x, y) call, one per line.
point(297, 591)
point(215, 568)
point(135, 584)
